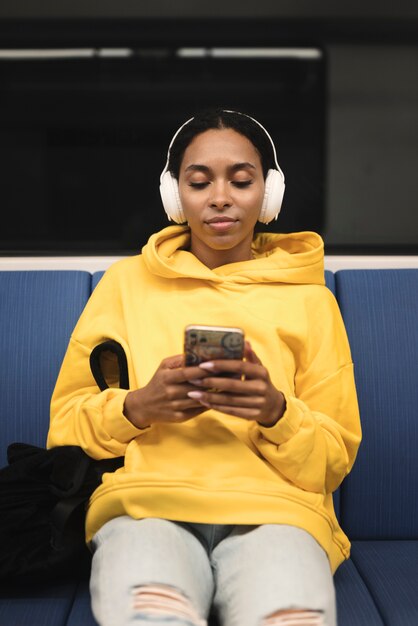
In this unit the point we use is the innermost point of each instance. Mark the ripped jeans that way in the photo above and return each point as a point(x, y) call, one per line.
point(246, 574)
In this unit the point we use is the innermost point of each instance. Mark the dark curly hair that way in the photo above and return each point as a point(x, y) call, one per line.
point(219, 118)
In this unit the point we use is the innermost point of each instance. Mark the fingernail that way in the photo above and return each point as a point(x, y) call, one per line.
point(196, 395)
point(196, 381)
point(207, 365)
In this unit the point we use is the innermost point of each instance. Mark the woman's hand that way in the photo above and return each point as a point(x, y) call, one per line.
point(252, 396)
point(164, 398)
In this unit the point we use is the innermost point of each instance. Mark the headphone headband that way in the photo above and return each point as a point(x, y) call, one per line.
point(274, 183)
point(178, 131)
point(265, 130)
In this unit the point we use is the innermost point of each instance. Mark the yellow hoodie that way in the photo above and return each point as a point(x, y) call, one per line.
point(217, 468)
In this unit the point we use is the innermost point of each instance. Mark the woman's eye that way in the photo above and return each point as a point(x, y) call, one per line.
point(198, 185)
point(241, 184)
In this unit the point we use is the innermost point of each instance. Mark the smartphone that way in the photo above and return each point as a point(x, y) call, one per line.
point(206, 343)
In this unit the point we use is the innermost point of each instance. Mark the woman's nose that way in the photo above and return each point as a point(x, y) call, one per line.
point(220, 196)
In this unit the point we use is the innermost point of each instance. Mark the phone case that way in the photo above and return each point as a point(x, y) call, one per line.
point(204, 343)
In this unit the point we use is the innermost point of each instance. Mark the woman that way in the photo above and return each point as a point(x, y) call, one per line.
point(225, 499)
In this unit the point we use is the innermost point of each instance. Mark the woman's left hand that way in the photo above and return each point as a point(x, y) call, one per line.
point(251, 395)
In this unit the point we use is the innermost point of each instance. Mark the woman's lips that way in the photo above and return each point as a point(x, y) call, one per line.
point(221, 224)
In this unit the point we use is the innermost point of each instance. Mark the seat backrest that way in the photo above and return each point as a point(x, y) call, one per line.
point(330, 283)
point(38, 311)
point(95, 278)
point(380, 309)
point(330, 280)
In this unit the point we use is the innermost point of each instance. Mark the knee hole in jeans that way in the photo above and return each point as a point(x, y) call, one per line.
point(153, 600)
point(296, 617)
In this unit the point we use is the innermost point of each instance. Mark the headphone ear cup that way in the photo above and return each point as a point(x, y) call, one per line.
point(273, 196)
point(169, 191)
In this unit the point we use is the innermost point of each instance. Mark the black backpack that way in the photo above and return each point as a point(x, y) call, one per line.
point(44, 493)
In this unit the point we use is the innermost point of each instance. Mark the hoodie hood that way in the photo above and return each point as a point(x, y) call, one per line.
point(296, 258)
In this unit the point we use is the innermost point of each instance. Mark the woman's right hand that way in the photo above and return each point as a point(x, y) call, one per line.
point(164, 398)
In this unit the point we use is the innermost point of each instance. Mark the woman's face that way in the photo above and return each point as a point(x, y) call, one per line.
point(221, 187)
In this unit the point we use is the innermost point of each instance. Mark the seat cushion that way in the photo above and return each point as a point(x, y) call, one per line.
point(81, 614)
point(355, 606)
point(390, 572)
point(32, 605)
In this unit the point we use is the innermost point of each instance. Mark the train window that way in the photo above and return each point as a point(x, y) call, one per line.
point(84, 136)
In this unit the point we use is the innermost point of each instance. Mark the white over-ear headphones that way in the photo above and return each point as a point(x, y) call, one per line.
point(274, 185)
